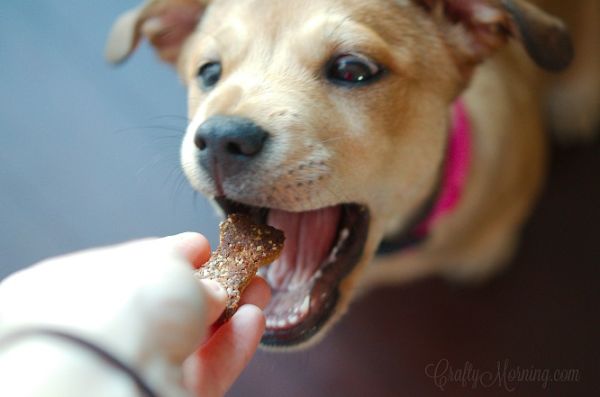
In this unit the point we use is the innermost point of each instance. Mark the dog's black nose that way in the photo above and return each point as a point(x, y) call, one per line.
point(229, 142)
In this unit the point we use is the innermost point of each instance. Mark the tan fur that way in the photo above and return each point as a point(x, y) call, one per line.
point(383, 144)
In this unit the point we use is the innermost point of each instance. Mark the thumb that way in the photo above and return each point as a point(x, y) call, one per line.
point(192, 246)
point(215, 300)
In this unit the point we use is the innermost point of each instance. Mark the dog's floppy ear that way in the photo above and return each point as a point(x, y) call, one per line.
point(476, 28)
point(165, 23)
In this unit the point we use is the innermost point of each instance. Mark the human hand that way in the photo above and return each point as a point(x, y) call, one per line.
point(138, 301)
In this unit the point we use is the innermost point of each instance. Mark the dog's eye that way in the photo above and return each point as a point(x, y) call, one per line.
point(209, 74)
point(352, 69)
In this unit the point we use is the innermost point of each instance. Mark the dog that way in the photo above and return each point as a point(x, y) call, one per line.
point(388, 139)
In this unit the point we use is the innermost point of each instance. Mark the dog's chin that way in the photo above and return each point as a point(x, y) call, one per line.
point(322, 247)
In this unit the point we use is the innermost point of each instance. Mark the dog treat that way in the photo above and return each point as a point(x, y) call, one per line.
point(244, 247)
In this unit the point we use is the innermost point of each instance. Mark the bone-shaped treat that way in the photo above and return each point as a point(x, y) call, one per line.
point(245, 246)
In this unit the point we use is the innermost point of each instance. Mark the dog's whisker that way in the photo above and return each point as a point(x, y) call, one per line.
point(333, 139)
point(169, 116)
point(180, 182)
point(150, 127)
point(195, 199)
point(172, 176)
point(168, 153)
point(155, 160)
point(169, 138)
point(168, 147)
point(178, 130)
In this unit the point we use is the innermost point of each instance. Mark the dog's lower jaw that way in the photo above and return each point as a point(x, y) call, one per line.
point(349, 288)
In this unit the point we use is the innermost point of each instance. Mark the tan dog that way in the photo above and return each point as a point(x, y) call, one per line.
point(331, 119)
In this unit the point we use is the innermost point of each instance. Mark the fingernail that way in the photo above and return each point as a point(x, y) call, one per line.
point(183, 236)
point(213, 286)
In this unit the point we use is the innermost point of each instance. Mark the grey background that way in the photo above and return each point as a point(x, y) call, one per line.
point(88, 152)
point(89, 156)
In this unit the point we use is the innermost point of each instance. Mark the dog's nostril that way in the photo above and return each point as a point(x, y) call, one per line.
point(200, 142)
point(235, 148)
point(249, 146)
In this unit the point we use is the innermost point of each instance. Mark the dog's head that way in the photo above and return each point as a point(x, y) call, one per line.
point(325, 118)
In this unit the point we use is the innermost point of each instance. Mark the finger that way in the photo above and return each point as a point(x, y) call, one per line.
point(193, 246)
point(258, 293)
point(226, 354)
point(215, 300)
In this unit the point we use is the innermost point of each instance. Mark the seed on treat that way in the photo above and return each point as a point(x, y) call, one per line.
point(237, 259)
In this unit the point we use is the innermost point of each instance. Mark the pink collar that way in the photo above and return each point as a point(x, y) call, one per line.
point(452, 184)
point(456, 169)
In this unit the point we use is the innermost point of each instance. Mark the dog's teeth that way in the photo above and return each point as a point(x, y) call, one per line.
point(344, 233)
point(305, 305)
point(281, 323)
point(293, 319)
point(270, 322)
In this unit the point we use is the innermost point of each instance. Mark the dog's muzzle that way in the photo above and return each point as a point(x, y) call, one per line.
point(323, 243)
point(228, 145)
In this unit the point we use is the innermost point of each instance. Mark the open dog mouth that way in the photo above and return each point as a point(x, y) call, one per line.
point(322, 246)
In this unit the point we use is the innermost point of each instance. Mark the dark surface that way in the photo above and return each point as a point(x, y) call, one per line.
point(88, 156)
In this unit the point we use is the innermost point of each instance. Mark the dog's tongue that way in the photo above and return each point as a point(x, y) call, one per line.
point(309, 237)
